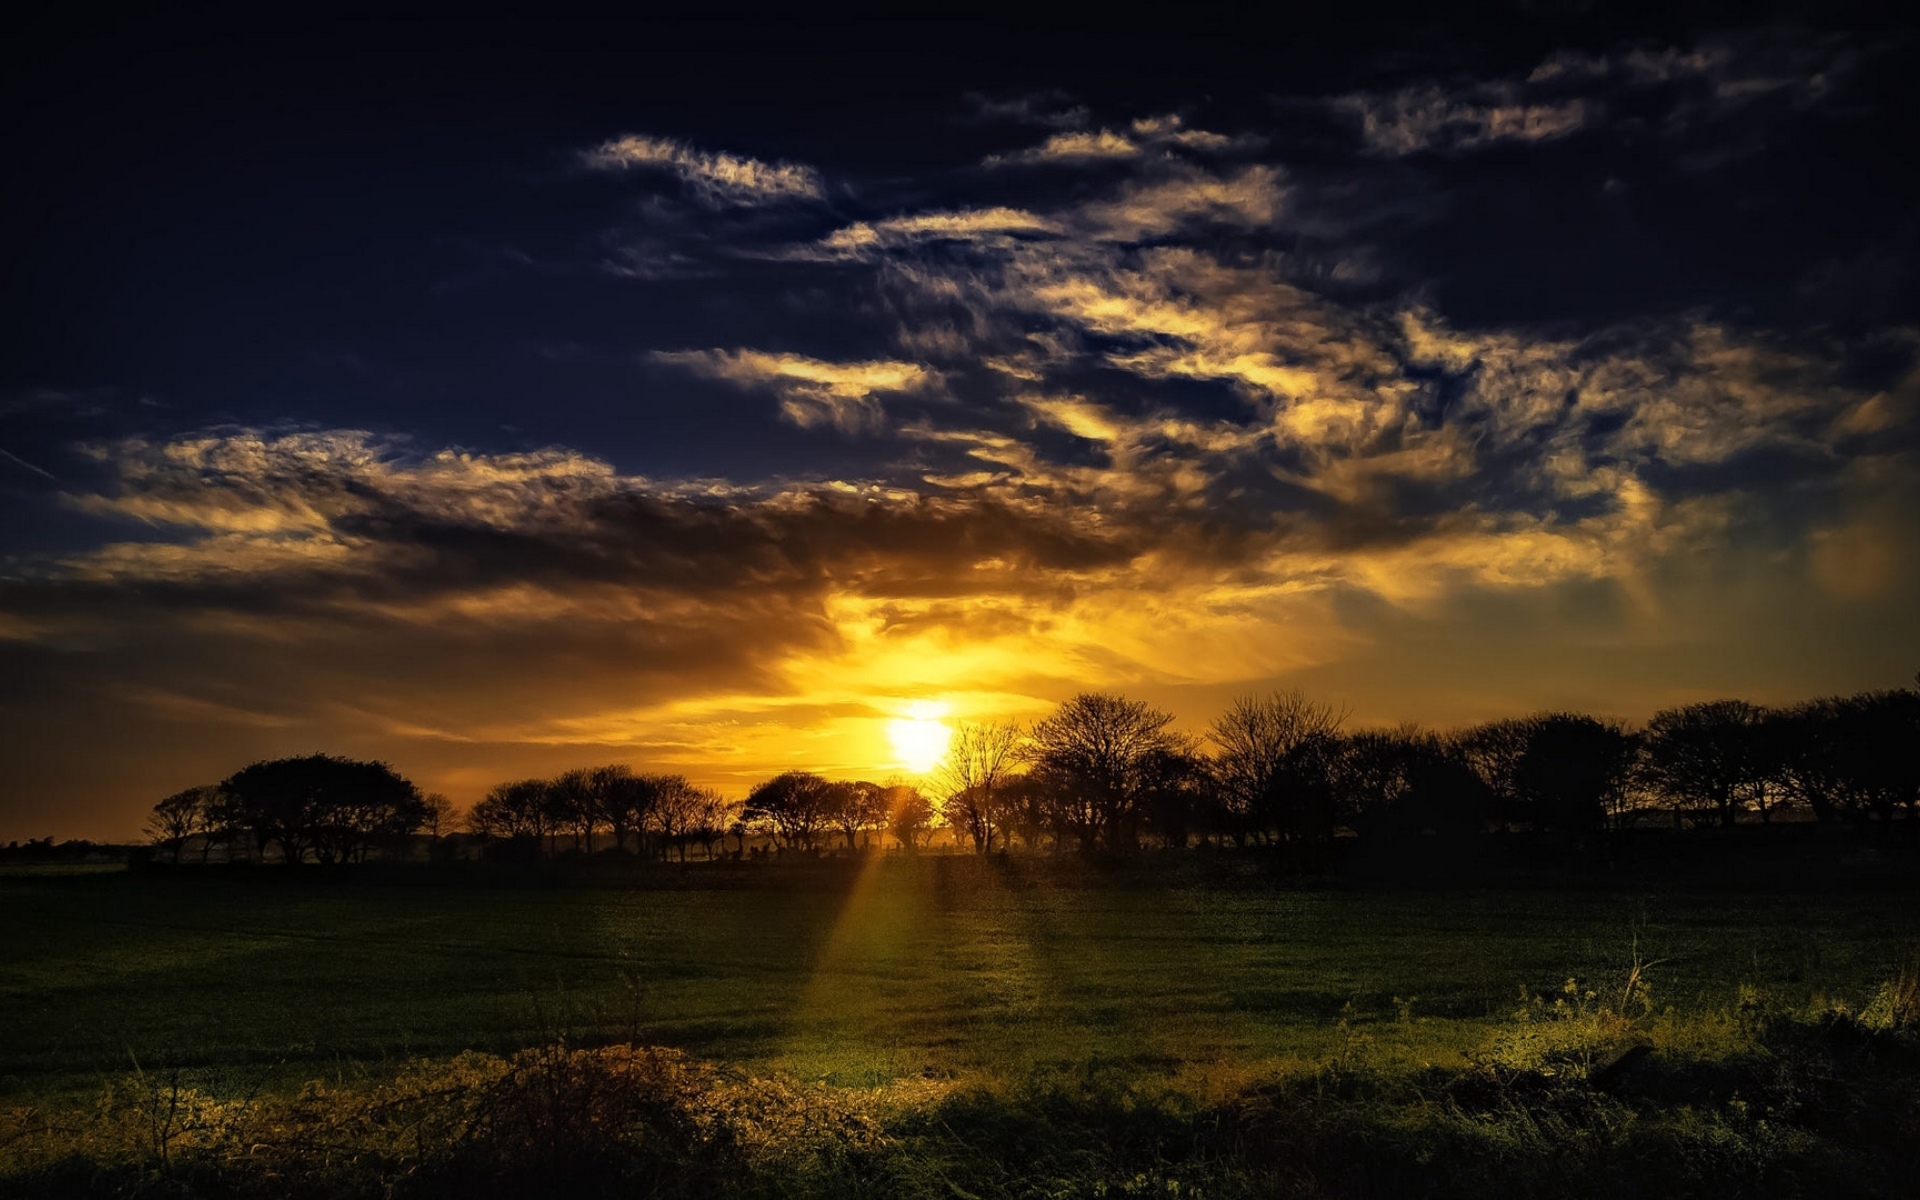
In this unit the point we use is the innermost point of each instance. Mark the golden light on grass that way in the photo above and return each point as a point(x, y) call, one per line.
point(919, 737)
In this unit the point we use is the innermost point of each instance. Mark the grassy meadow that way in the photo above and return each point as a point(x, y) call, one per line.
point(934, 982)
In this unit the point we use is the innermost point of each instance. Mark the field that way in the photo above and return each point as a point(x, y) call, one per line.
point(949, 973)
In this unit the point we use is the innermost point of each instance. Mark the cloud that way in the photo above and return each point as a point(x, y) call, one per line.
point(1431, 118)
point(1202, 421)
point(1077, 146)
point(475, 616)
point(717, 179)
point(1252, 197)
point(1677, 91)
point(812, 392)
point(1052, 109)
point(978, 225)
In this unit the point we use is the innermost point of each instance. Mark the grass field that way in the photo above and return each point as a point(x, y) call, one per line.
point(1022, 1028)
point(938, 969)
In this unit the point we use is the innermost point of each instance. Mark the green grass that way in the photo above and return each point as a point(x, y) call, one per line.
point(946, 969)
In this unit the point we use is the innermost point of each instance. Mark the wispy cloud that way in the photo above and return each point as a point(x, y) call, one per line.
point(1675, 91)
point(1431, 118)
point(718, 179)
point(812, 391)
point(979, 225)
point(1075, 146)
point(1252, 197)
point(1143, 136)
point(1052, 109)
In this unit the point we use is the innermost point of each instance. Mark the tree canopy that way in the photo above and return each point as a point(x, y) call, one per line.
point(332, 808)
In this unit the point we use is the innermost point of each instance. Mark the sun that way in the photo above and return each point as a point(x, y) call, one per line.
point(919, 737)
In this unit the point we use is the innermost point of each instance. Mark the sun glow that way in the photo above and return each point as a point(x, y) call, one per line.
point(919, 737)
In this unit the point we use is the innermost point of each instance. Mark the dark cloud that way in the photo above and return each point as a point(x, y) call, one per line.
point(1049, 109)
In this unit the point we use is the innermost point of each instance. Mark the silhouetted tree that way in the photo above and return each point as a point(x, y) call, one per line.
point(677, 809)
point(1094, 754)
point(712, 815)
point(1493, 751)
point(1176, 786)
point(512, 811)
point(1706, 758)
point(794, 807)
point(1030, 806)
point(623, 800)
point(909, 815)
point(1574, 771)
point(1853, 757)
point(573, 805)
point(223, 822)
point(181, 816)
point(980, 758)
point(334, 808)
point(1370, 784)
point(1275, 763)
point(1405, 782)
point(438, 814)
point(856, 806)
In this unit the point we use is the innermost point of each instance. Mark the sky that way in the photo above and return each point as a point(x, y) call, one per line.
point(492, 399)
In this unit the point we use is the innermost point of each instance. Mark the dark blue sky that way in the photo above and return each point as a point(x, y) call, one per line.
point(492, 395)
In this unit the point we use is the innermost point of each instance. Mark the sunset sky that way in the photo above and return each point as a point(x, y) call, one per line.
point(495, 400)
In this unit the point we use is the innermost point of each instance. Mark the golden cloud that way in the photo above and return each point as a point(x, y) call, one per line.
point(812, 391)
point(718, 178)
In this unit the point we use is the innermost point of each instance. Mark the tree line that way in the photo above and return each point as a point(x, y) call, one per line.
point(1103, 772)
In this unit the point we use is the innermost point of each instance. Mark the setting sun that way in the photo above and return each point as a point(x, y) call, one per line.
point(919, 737)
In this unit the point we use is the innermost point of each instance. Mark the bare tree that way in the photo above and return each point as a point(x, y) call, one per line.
point(713, 813)
point(625, 801)
point(980, 757)
point(1095, 753)
point(1275, 760)
point(439, 814)
point(181, 816)
point(573, 805)
point(677, 809)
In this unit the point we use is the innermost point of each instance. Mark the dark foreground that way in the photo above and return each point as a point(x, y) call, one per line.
point(1815, 1109)
point(953, 1028)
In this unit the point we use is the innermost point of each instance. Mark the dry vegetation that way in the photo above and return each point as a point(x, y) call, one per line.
point(1752, 1046)
point(1574, 1096)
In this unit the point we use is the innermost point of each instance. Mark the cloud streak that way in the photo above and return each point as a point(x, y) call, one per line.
point(813, 392)
point(1677, 91)
point(717, 179)
point(1148, 135)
